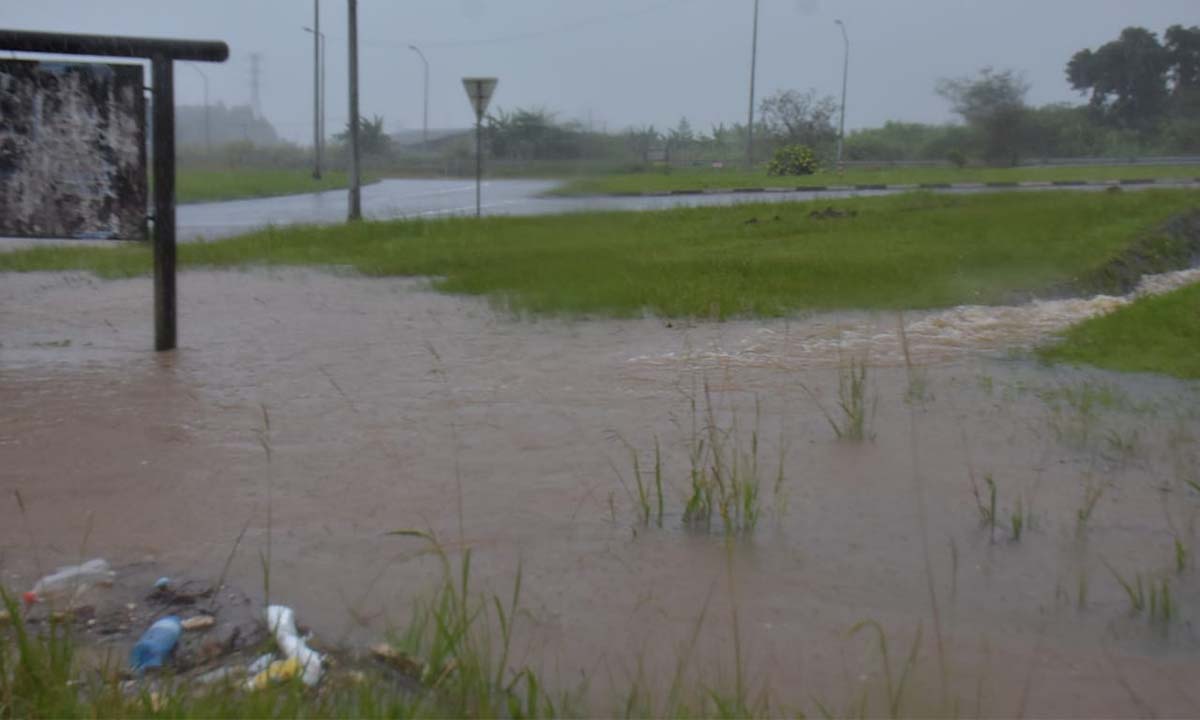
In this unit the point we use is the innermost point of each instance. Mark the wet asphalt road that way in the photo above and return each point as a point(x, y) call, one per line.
point(390, 199)
point(411, 198)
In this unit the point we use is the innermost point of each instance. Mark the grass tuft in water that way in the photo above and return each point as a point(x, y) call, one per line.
point(986, 506)
point(893, 685)
point(1146, 595)
point(851, 421)
point(1092, 493)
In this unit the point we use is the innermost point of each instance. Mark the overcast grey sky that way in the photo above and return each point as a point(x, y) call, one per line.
point(615, 62)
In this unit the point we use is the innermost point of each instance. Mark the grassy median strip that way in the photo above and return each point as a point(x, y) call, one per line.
point(917, 250)
point(728, 179)
point(1154, 334)
point(202, 185)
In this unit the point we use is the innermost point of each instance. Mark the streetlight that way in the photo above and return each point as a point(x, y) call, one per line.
point(425, 124)
point(318, 99)
point(845, 73)
point(207, 133)
point(750, 123)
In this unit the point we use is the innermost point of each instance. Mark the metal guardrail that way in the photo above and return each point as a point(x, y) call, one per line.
point(1042, 162)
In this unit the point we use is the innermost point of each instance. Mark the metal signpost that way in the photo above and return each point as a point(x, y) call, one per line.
point(162, 54)
point(479, 92)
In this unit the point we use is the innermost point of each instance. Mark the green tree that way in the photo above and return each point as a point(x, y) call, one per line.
point(792, 117)
point(1183, 52)
point(1127, 79)
point(532, 134)
point(993, 106)
point(372, 140)
point(641, 140)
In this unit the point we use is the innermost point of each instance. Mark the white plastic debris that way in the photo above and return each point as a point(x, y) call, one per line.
point(71, 581)
point(282, 623)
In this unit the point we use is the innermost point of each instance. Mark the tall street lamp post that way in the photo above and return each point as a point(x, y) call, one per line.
point(750, 122)
point(319, 122)
point(845, 73)
point(425, 122)
point(318, 62)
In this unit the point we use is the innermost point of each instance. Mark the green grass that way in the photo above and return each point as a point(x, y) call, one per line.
point(1154, 334)
point(710, 179)
point(204, 185)
point(917, 250)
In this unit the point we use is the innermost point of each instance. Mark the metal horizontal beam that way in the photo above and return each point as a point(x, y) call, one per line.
point(113, 45)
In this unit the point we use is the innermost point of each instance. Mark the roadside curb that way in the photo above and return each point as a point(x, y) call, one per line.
point(872, 187)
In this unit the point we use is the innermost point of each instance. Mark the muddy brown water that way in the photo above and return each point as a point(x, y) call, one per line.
point(391, 406)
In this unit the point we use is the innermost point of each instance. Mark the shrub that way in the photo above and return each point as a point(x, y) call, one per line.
point(793, 160)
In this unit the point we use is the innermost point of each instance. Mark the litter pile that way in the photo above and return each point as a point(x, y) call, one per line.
point(200, 632)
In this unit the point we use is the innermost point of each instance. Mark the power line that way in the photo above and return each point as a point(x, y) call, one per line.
point(566, 27)
point(255, 71)
point(515, 37)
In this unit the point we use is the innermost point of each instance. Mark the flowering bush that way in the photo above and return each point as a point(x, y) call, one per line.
point(793, 160)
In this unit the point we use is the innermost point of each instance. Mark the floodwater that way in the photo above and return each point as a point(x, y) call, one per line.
point(386, 406)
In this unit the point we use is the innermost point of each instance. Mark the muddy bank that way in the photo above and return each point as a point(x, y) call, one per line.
point(391, 407)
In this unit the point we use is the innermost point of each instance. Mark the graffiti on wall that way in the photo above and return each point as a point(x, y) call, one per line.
point(72, 150)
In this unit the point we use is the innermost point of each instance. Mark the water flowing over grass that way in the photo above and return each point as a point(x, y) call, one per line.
point(917, 250)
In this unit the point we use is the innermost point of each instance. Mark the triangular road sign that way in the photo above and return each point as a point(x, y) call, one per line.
point(479, 91)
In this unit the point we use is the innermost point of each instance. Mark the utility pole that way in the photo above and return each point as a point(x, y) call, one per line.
point(321, 123)
point(255, 71)
point(750, 122)
point(845, 74)
point(355, 189)
point(316, 89)
point(207, 125)
point(425, 122)
point(321, 146)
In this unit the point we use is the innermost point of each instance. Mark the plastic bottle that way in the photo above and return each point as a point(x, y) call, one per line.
point(281, 621)
point(156, 644)
point(69, 581)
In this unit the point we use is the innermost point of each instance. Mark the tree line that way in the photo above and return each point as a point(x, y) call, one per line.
point(1142, 98)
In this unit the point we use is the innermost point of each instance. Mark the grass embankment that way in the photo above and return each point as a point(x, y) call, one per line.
point(203, 185)
point(917, 250)
point(709, 179)
point(1154, 334)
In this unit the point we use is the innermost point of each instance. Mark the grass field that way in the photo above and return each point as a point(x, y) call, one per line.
point(918, 250)
point(202, 185)
point(1155, 334)
point(709, 179)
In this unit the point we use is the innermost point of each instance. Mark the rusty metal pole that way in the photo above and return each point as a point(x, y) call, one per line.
point(163, 129)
